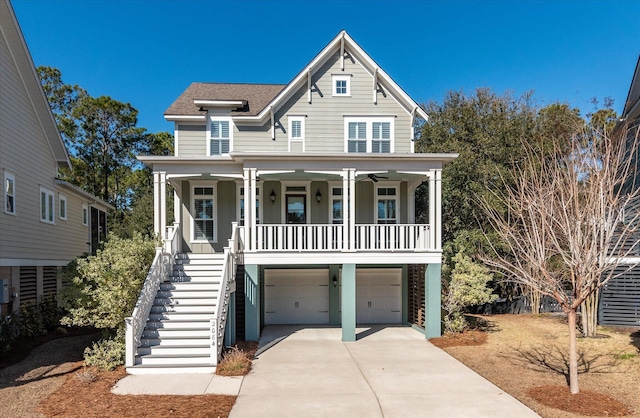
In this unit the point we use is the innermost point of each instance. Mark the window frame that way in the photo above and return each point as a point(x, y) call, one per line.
point(369, 121)
point(333, 198)
point(298, 139)
point(62, 198)
point(220, 119)
point(377, 198)
point(334, 82)
point(47, 206)
point(9, 177)
point(214, 215)
point(85, 214)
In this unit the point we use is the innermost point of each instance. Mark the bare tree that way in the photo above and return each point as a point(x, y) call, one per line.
point(569, 220)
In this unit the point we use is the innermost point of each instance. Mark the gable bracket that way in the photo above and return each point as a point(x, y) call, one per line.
point(342, 52)
point(273, 124)
point(375, 86)
point(309, 84)
point(413, 123)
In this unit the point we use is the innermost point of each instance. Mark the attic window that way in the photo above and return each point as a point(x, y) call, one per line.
point(341, 85)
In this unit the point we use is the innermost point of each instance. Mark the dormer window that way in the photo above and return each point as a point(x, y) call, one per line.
point(219, 137)
point(341, 85)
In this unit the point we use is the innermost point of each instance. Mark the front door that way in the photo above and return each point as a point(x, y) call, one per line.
point(296, 209)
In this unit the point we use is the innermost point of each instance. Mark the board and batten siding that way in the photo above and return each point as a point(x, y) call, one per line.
point(27, 155)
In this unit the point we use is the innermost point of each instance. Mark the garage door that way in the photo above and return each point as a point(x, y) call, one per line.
point(378, 296)
point(296, 296)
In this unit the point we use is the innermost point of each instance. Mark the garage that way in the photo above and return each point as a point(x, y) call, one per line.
point(296, 296)
point(378, 296)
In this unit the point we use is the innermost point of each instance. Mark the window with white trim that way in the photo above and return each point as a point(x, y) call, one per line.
point(220, 135)
point(386, 205)
point(47, 206)
point(369, 134)
point(337, 206)
point(296, 128)
point(85, 214)
point(9, 193)
point(341, 85)
point(62, 207)
point(241, 206)
point(203, 206)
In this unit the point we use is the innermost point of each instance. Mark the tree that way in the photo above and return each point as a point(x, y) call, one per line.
point(569, 220)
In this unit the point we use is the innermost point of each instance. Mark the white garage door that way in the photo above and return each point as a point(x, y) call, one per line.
point(296, 296)
point(378, 296)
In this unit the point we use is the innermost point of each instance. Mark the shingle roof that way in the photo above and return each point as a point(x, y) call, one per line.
point(257, 97)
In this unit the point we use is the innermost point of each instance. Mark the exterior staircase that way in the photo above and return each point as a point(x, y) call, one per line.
point(177, 335)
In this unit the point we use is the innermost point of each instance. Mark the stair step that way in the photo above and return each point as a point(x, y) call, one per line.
point(187, 294)
point(214, 265)
point(173, 301)
point(177, 324)
point(182, 350)
point(175, 341)
point(174, 359)
point(184, 308)
point(180, 316)
point(211, 285)
point(162, 333)
point(142, 369)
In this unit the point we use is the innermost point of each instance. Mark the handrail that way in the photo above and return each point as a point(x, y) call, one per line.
point(218, 321)
point(159, 271)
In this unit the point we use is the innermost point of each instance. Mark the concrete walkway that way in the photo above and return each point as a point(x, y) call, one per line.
point(387, 372)
point(178, 384)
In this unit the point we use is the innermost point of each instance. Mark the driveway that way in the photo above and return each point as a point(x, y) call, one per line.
point(388, 372)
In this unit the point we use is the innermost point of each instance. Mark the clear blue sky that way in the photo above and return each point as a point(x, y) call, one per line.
point(147, 52)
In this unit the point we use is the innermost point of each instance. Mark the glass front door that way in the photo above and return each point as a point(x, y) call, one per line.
point(296, 209)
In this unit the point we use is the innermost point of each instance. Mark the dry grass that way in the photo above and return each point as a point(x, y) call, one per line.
point(236, 361)
point(525, 355)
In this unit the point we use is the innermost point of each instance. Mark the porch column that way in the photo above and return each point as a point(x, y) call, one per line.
point(247, 214)
point(432, 302)
point(438, 204)
point(433, 225)
point(177, 210)
point(348, 302)
point(250, 200)
point(159, 203)
point(251, 302)
point(345, 215)
point(351, 206)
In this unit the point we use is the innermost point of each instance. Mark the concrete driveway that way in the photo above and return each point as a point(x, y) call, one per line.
point(387, 372)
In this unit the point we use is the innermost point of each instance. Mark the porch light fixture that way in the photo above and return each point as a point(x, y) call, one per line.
point(335, 281)
point(272, 196)
point(318, 196)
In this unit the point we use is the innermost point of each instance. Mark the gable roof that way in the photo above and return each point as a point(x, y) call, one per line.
point(633, 98)
point(19, 52)
point(259, 107)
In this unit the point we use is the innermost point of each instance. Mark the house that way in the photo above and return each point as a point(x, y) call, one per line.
point(45, 222)
point(620, 297)
point(294, 204)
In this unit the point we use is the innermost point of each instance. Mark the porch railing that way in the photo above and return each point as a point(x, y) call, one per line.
point(158, 272)
point(327, 237)
point(227, 285)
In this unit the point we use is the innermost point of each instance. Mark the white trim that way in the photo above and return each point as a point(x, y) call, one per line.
point(62, 198)
point(185, 118)
point(85, 214)
point(49, 206)
point(240, 191)
point(386, 185)
point(27, 262)
point(211, 119)
point(301, 138)
point(192, 220)
point(233, 104)
point(340, 77)
point(9, 176)
point(284, 193)
point(369, 121)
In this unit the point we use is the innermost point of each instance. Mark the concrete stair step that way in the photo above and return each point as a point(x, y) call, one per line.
point(174, 359)
point(145, 369)
point(170, 350)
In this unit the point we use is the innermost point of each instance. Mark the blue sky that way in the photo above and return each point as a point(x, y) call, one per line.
point(147, 52)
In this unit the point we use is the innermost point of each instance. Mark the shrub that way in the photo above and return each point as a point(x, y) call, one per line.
point(106, 354)
point(468, 287)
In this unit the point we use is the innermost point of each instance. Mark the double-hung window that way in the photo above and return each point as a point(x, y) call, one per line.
point(386, 205)
point(219, 137)
point(62, 207)
point(369, 134)
point(47, 206)
point(9, 193)
point(203, 214)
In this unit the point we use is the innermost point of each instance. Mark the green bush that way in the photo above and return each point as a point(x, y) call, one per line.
point(8, 334)
point(468, 287)
point(106, 354)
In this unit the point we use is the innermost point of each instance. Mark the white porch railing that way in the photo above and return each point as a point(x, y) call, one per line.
point(158, 272)
point(326, 237)
point(227, 286)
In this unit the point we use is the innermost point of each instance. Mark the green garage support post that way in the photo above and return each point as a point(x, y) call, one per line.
point(251, 303)
point(433, 301)
point(348, 302)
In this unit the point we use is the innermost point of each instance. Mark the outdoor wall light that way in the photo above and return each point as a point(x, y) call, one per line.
point(335, 281)
point(318, 196)
point(272, 196)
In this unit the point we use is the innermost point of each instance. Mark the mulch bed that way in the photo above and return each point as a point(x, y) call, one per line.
point(584, 403)
point(467, 338)
point(80, 396)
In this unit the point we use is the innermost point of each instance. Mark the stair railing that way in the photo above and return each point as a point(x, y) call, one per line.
point(227, 286)
point(158, 272)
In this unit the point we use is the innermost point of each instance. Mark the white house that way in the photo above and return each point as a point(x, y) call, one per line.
point(310, 186)
point(45, 222)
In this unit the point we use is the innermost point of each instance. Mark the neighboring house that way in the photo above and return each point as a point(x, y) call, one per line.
point(45, 222)
point(314, 183)
point(620, 297)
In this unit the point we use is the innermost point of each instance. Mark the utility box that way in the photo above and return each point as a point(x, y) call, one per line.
point(4, 291)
